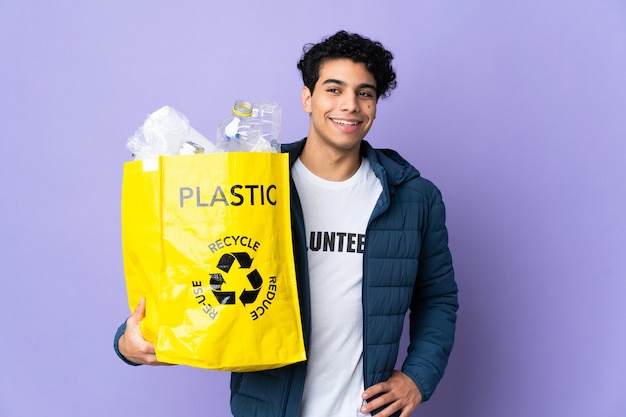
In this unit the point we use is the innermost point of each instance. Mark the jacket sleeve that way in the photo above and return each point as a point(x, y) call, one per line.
point(434, 304)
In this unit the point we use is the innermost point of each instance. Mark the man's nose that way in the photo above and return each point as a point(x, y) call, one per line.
point(350, 102)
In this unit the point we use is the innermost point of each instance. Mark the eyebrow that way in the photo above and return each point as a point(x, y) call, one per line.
point(343, 83)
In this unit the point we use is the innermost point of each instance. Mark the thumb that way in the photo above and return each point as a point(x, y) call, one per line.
point(140, 311)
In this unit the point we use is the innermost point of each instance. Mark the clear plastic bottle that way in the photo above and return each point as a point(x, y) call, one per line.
point(265, 126)
point(252, 127)
point(232, 133)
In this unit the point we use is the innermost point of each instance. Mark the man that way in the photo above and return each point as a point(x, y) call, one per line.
point(353, 293)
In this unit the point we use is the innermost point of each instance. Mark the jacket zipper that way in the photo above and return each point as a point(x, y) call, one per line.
point(381, 206)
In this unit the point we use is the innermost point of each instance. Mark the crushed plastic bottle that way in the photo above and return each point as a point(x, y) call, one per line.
point(252, 127)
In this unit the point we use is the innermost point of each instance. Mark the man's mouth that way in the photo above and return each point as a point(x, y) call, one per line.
point(345, 122)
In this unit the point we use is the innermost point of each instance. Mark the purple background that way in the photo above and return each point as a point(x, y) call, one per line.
point(515, 109)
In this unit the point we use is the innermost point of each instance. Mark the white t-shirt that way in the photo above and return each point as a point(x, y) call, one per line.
point(335, 218)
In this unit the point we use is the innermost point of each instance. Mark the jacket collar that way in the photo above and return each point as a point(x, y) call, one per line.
point(387, 164)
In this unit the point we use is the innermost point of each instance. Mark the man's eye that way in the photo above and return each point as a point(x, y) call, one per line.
point(333, 90)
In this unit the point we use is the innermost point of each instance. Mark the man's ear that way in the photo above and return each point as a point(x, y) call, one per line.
point(306, 99)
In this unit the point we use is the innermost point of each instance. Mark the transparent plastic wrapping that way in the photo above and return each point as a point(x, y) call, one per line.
point(167, 132)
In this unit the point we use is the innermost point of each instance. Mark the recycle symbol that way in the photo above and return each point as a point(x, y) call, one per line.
point(225, 264)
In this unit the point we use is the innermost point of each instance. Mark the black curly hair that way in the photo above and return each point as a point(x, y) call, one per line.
point(358, 48)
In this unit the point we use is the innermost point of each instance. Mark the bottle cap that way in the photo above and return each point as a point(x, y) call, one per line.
point(242, 108)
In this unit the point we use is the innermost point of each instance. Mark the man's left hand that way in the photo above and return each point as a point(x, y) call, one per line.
point(399, 392)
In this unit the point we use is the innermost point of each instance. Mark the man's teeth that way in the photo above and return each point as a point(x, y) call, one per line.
point(344, 122)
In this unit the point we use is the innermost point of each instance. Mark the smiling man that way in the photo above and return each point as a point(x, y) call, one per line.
point(353, 302)
point(370, 244)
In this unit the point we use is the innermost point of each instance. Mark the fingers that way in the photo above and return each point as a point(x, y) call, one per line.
point(399, 392)
point(375, 390)
point(132, 344)
point(136, 349)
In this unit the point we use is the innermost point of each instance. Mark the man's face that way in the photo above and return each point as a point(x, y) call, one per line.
point(343, 105)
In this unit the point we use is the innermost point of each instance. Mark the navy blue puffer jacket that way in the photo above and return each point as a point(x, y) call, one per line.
point(407, 266)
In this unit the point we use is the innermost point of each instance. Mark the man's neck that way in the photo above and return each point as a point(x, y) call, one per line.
point(329, 163)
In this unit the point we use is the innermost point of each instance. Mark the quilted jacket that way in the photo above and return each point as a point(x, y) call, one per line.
point(407, 267)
